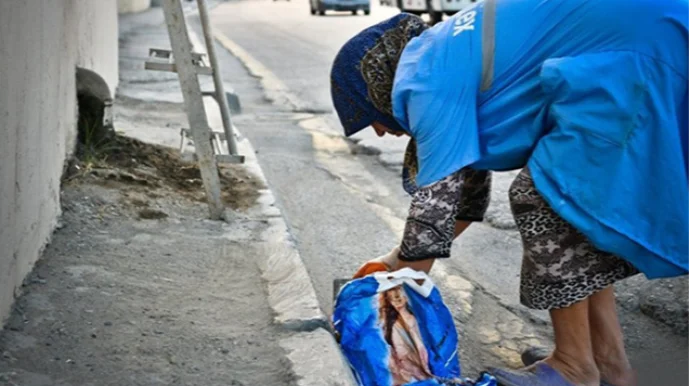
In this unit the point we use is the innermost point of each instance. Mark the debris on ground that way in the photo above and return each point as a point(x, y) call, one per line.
point(133, 165)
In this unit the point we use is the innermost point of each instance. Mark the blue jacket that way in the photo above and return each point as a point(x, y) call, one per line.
point(591, 95)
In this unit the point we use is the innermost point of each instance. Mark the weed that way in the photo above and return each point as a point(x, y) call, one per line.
point(94, 140)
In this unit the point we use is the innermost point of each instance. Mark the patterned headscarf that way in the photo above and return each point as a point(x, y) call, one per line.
point(364, 69)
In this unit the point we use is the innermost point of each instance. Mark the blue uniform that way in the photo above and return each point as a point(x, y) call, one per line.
point(591, 95)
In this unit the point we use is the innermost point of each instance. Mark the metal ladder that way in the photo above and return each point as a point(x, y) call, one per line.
point(189, 65)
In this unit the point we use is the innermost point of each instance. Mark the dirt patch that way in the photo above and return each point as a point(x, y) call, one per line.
point(128, 163)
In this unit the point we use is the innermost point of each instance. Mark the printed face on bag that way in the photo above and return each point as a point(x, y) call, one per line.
point(408, 360)
point(396, 298)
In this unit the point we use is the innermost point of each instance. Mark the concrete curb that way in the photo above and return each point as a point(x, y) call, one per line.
point(290, 290)
point(316, 359)
point(315, 356)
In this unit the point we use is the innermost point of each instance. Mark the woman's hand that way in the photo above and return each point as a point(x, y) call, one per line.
point(391, 258)
point(387, 262)
point(391, 261)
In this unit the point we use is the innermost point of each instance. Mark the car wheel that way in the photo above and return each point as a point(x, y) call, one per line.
point(367, 11)
point(322, 13)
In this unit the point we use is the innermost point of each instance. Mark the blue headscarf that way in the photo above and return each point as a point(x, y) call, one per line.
point(364, 69)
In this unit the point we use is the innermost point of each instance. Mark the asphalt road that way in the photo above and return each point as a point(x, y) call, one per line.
point(344, 206)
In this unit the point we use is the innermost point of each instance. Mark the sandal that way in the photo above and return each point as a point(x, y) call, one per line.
point(536, 354)
point(542, 375)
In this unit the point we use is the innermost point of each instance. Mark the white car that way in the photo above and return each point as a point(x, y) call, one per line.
point(321, 6)
point(435, 8)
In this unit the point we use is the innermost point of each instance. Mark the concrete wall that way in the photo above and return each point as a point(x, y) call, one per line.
point(97, 46)
point(131, 6)
point(41, 45)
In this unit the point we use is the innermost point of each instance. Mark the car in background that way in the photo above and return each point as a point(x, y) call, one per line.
point(435, 8)
point(321, 6)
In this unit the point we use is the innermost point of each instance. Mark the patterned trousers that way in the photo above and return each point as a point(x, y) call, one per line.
point(560, 266)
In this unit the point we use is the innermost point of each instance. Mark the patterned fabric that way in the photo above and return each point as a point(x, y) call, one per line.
point(379, 63)
point(430, 227)
point(429, 231)
point(363, 72)
point(475, 193)
point(560, 266)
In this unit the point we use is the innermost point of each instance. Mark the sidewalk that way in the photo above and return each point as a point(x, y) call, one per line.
point(138, 288)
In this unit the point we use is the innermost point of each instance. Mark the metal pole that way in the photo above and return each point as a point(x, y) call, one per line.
point(194, 104)
point(217, 77)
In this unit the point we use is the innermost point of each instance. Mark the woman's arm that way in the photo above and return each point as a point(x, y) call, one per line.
point(439, 213)
point(460, 226)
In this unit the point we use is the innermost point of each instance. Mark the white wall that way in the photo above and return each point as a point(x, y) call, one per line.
point(131, 6)
point(97, 46)
point(41, 44)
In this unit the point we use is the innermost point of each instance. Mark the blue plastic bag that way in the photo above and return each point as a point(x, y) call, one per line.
point(394, 331)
